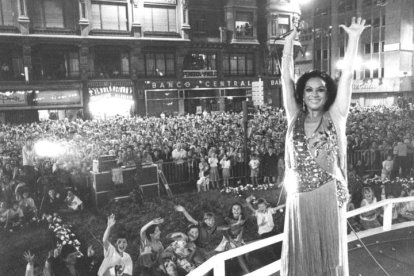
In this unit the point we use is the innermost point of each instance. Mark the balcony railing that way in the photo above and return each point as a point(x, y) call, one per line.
point(217, 262)
point(200, 74)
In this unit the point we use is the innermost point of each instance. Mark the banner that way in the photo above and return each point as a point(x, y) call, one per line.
point(57, 97)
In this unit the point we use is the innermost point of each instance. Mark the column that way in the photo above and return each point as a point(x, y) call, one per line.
point(185, 26)
point(137, 18)
point(83, 18)
point(23, 19)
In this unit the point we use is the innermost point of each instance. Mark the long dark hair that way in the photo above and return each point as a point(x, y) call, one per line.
point(241, 211)
point(330, 87)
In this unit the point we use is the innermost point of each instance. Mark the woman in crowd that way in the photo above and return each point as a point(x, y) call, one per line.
point(315, 180)
point(151, 247)
point(387, 167)
point(233, 233)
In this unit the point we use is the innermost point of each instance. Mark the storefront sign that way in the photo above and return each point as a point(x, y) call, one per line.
point(275, 82)
point(57, 97)
point(376, 85)
point(14, 98)
point(190, 84)
point(124, 92)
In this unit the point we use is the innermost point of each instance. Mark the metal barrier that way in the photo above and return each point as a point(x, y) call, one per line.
point(216, 264)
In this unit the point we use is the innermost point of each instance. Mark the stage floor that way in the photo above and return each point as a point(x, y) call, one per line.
point(394, 250)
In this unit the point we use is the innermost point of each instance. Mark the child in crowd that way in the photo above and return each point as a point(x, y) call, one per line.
point(233, 233)
point(52, 202)
point(203, 183)
point(28, 206)
point(214, 174)
point(225, 165)
point(73, 203)
point(4, 212)
point(407, 208)
point(369, 219)
point(207, 228)
point(116, 260)
point(254, 169)
point(14, 217)
point(264, 215)
point(387, 167)
point(151, 247)
point(183, 251)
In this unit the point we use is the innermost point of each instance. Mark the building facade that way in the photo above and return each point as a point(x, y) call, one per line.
point(97, 58)
point(383, 71)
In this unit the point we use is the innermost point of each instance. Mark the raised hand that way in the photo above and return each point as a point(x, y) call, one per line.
point(179, 208)
point(29, 257)
point(111, 220)
point(356, 28)
point(90, 251)
point(158, 221)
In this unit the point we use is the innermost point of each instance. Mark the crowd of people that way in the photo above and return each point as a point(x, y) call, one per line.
point(44, 165)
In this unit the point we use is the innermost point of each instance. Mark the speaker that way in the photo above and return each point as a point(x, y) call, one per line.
point(100, 199)
point(152, 190)
point(102, 181)
point(148, 175)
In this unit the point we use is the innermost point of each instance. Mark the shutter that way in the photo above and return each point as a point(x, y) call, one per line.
point(148, 19)
point(96, 16)
point(6, 13)
point(109, 17)
point(53, 14)
point(172, 20)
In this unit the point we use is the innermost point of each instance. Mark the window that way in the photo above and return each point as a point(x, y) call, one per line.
point(366, 3)
point(198, 61)
point(160, 19)
point(48, 14)
point(382, 72)
point(244, 24)
point(382, 46)
point(355, 74)
point(159, 64)
point(325, 54)
point(383, 20)
point(376, 22)
point(109, 17)
point(273, 66)
point(341, 51)
point(55, 62)
point(11, 62)
point(238, 65)
point(198, 21)
point(367, 73)
point(280, 25)
point(375, 73)
point(367, 48)
point(110, 62)
point(6, 13)
point(368, 21)
point(376, 47)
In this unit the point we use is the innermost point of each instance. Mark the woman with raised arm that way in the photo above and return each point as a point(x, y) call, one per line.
point(315, 226)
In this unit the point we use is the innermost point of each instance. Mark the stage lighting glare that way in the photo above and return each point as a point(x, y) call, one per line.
point(290, 182)
point(46, 148)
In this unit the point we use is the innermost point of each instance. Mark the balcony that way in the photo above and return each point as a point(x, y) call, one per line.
point(200, 74)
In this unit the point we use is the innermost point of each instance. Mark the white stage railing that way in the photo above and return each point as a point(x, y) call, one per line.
point(217, 262)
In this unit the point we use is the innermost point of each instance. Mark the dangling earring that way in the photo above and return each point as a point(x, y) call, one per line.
point(303, 106)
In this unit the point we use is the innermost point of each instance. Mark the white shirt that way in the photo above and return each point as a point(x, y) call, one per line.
point(213, 161)
point(28, 156)
point(74, 203)
point(112, 258)
point(225, 164)
point(254, 164)
point(265, 220)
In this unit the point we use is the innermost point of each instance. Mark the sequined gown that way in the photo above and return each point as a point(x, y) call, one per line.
point(316, 187)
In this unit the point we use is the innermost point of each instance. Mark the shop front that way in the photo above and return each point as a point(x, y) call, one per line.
point(28, 103)
point(370, 92)
point(196, 95)
point(111, 98)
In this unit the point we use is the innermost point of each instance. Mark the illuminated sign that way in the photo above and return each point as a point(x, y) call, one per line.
point(57, 97)
point(376, 85)
point(190, 84)
point(14, 98)
point(124, 92)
